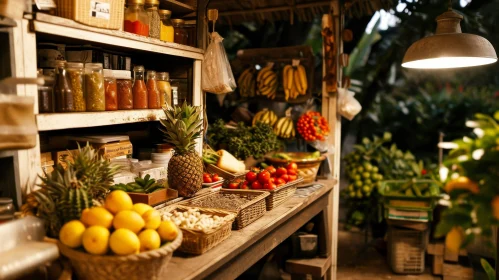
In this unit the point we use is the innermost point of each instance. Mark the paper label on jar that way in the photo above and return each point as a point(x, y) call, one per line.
point(100, 9)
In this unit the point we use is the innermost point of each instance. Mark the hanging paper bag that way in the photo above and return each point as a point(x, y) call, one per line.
point(348, 106)
point(217, 74)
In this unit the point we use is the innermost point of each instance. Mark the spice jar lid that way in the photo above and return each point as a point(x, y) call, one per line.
point(151, 74)
point(5, 200)
point(131, 2)
point(122, 74)
point(177, 21)
point(138, 68)
point(93, 65)
point(164, 12)
point(163, 76)
point(108, 73)
point(74, 64)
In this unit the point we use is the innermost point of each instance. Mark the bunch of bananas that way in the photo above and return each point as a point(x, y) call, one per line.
point(247, 82)
point(285, 128)
point(265, 116)
point(266, 81)
point(294, 80)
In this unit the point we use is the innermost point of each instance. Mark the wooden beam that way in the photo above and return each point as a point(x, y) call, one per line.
point(275, 9)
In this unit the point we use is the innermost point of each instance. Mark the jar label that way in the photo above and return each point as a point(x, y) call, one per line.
point(100, 9)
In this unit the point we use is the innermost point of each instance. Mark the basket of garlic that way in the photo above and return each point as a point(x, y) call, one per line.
point(202, 228)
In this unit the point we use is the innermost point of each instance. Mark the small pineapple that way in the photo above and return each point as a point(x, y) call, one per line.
point(182, 127)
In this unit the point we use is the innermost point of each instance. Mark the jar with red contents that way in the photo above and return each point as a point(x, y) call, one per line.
point(111, 90)
point(140, 97)
point(125, 92)
point(136, 19)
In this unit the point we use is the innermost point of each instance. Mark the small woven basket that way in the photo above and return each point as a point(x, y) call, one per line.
point(146, 265)
point(82, 11)
point(197, 242)
point(228, 176)
point(278, 196)
point(246, 213)
point(307, 168)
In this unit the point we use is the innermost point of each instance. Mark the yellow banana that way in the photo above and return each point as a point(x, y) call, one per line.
point(290, 75)
point(303, 79)
point(263, 71)
point(297, 81)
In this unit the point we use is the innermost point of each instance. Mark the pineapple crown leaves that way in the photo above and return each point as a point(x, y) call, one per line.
point(182, 126)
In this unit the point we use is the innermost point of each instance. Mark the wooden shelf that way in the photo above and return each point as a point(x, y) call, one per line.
point(57, 121)
point(177, 8)
point(62, 27)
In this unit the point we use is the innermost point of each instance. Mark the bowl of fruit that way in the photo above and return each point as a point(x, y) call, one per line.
point(307, 163)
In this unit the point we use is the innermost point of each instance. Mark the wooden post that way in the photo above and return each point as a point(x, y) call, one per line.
point(201, 26)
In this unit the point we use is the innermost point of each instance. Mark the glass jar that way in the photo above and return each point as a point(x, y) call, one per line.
point(136, 19)
point(139, 88)
point(151, 7)
point(110, 90)
point(63, 94)
point(180, 34)
point(166, 30)
point(153, 91)
point(94, 87)
point(45, 94)
point(75, 79)
point(124, 85)
point(165, 89)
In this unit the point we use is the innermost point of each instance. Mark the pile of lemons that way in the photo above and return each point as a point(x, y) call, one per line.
point(120, 227)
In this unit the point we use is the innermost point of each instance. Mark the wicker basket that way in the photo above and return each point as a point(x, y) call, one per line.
point(146, 265)
point(199, 241)
point(278, 196)
point(406, 250)
point(228, 176)
point(81, 11)
point(307, 168)
point(246, 213)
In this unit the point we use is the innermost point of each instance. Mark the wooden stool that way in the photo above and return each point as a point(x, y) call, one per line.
point(301, 269)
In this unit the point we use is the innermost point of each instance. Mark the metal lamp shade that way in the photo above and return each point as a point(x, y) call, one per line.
point(449, 48)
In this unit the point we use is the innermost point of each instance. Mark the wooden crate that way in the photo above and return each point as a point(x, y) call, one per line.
point(445, 263)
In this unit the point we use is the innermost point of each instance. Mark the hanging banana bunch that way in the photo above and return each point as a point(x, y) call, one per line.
point(285, 127)
point(294, 81)
point(265, 116)
point(266, 81)
point(247, 82)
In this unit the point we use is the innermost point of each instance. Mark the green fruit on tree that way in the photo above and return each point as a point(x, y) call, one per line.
point(356, 157)
point(366, 175)
point(360, 169)
point(357, 178)
point(358, 184)
point(367, 182)
point(368, 166)
point(375, 169)
point(351, 187)
point(366, 189)
point(359, 194)
point(352, 194)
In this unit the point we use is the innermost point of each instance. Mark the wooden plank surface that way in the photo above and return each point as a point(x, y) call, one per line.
point(57, 26)
point(314, 267)
point(246, 246)
point(458, 271)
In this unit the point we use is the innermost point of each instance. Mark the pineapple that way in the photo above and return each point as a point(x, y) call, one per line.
point(182, 127)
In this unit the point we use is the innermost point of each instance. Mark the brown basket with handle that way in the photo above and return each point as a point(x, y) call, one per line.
point(280, 194)
point(228, 176)
point(145, 265)
point(199, 241)
point(307, 167)
point(246, 213)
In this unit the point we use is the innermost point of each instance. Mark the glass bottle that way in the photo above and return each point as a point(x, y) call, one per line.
point(151, 7)
point(165, 89)
point(154, 99)
point(110, 90)
point(63, 94)
point(180, 34)
point(166, 32)
point(75, 79)
point(125, 93)
point(45, 94)
point(139, 88)
point(94, 87)
point(136, 19)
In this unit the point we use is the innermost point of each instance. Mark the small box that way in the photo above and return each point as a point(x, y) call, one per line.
point(153, 198)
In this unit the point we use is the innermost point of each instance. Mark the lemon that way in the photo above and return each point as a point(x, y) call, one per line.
point(454, 239)
point(128, 219)
point(118, 201)
point(167, 230)
point(149, 240)
point(124, 242)
point(96, 240)
point(152, 219)
point(71, 233)
point(141, 208)
point(97, 216)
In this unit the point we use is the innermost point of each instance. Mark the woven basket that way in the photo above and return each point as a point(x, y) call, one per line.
point(199, 241)
point(307, 168)
point(246, 213)
point(278, 196)
point(146, 265)
point(81, 11)
point(228, 176)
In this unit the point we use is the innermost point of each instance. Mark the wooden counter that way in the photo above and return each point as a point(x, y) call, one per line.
point(248, 245)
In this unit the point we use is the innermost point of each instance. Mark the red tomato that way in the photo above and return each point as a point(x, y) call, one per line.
point(273, 179)
point(256, 185)
point(281, 171)
point(271, 170)
point(285, 178)
point(292, 165)
point(234, 185)
point(292, 178)
point(270, 186)
point(264, 177)
point(244, 186)
point(251, 176)
point(280, 181)
point(215, 177)
point(292, 171)
point(207, 178)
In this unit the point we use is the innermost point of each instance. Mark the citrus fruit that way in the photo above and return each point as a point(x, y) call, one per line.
point(454, 239)
point(128, 219)
point(124, 242)
point(152, 218)
point(118, 201)
point(71, 233)
point(96, 240)
point(167, 230)
point(141, 208)
point(97, 216)
point(149, 240)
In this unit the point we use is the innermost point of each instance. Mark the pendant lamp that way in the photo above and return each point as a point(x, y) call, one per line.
point(449, 48)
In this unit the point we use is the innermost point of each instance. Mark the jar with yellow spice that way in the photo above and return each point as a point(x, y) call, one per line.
point(75, 79)
point(94, 87)
point(165, 89)
point(166, 30)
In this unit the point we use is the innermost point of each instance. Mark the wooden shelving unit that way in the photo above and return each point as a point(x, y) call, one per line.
point(178, 8)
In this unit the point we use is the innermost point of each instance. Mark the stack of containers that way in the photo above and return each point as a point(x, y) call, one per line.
point(162, 155)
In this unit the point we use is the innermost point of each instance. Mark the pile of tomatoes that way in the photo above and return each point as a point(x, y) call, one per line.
point(312, 126)
point(269, 178)
point(210, 178)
